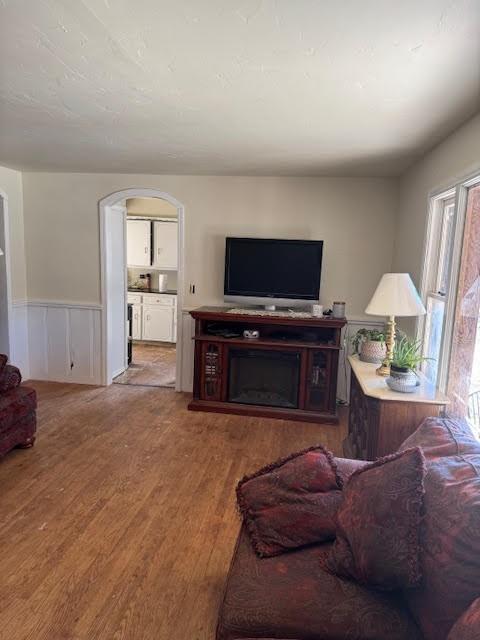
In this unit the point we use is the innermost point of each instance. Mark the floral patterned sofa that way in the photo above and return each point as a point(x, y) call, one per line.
point(18, 404)
point(291, 597)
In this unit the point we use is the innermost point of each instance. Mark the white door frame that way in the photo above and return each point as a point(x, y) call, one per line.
point(119, 197)
point(4, 219)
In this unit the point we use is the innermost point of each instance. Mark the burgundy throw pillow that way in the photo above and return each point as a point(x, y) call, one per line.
point(377, 540)
point(467, 626)
point(346, 466)
point(292, 502)
point(450, 544)
point(449, 532)
point(440, 437)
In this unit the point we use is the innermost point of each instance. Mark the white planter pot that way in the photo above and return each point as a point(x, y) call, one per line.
point(373, 351)
point(402, 381)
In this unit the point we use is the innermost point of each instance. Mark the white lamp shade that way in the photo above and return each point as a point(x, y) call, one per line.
point(395, 295)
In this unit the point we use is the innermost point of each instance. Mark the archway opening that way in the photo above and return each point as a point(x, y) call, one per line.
point(141, 238)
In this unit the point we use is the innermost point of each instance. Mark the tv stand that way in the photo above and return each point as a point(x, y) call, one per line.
point(289, 371)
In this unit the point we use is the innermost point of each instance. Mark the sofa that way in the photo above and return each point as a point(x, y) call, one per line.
point(292, 597)
point(18, 405)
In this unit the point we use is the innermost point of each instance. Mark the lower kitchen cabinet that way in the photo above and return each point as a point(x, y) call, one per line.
point(154, 316)
point(158, 323)
point(137, 322)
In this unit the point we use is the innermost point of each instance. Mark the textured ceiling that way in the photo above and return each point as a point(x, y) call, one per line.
point(298, 87)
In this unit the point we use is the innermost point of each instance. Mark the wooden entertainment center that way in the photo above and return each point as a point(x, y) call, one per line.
point(289, 371)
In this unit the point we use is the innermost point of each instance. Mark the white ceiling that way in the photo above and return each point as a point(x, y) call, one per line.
point(298, 87)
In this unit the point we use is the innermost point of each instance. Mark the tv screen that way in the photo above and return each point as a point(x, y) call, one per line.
point(263, 268)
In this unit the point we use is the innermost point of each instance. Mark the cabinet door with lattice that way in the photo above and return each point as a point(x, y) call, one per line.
point(211, 373)
point(318, 381)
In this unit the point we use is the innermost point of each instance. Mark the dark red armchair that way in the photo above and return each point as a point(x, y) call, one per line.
point(18, 420)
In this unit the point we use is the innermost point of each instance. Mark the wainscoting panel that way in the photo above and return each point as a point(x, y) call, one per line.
point(85, 347)
point(343, 384)
point(19, 338)
point(64, 342)
point(57, 336)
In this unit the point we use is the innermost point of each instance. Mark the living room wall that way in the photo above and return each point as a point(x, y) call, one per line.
point(455, 158)
point(354, 216)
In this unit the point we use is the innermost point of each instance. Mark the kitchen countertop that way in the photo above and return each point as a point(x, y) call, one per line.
point(171, 292)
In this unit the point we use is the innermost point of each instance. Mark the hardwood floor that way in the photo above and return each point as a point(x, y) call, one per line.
point(153, 365)
point(120, 523)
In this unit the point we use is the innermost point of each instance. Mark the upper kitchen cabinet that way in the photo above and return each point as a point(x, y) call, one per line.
point(165, 254)
point(139, 243)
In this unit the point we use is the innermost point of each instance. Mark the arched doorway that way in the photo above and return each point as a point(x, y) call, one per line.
point(113, 216)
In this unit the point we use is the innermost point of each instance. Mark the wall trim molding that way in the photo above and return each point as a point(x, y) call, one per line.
point(64, 304)
point(369, 321)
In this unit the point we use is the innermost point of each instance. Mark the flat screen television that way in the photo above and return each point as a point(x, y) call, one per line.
point(266, 272)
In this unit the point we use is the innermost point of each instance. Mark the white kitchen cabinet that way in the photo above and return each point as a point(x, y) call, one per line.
point(158, 322)
point(165, 245)
point(139, 243)
point(137, 321)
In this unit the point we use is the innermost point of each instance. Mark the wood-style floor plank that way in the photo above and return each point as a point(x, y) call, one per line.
point(120, 523)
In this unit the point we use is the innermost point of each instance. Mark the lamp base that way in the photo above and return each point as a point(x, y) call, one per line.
point(383, 370)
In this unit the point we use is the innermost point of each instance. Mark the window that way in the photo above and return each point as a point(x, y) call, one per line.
point(450, 330)
point(436, 281)
point(446, 244)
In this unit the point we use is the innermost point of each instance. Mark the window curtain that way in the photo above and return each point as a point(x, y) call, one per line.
point(466, 311)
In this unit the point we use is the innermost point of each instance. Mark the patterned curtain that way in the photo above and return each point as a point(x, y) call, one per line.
point(464, 360)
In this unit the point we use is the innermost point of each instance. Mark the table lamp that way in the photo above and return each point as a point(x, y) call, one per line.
point(395, 295)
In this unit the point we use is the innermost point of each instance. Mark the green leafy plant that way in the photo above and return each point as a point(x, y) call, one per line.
point(407, 354)
point(363, 335)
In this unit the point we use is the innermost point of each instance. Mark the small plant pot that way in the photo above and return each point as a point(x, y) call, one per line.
point(402, 379)
point(373, 351)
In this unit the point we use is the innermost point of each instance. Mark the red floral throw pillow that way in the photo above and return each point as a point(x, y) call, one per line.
point(292, 502)
point(377, 540)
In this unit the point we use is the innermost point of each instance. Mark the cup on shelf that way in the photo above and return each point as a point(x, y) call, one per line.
point(338, 310)
point(317, 310)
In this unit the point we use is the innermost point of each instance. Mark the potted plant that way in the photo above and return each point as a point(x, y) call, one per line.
point(370, 345)
point(407, 356)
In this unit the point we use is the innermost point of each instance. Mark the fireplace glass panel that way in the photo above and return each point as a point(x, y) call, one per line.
point(269, 378)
